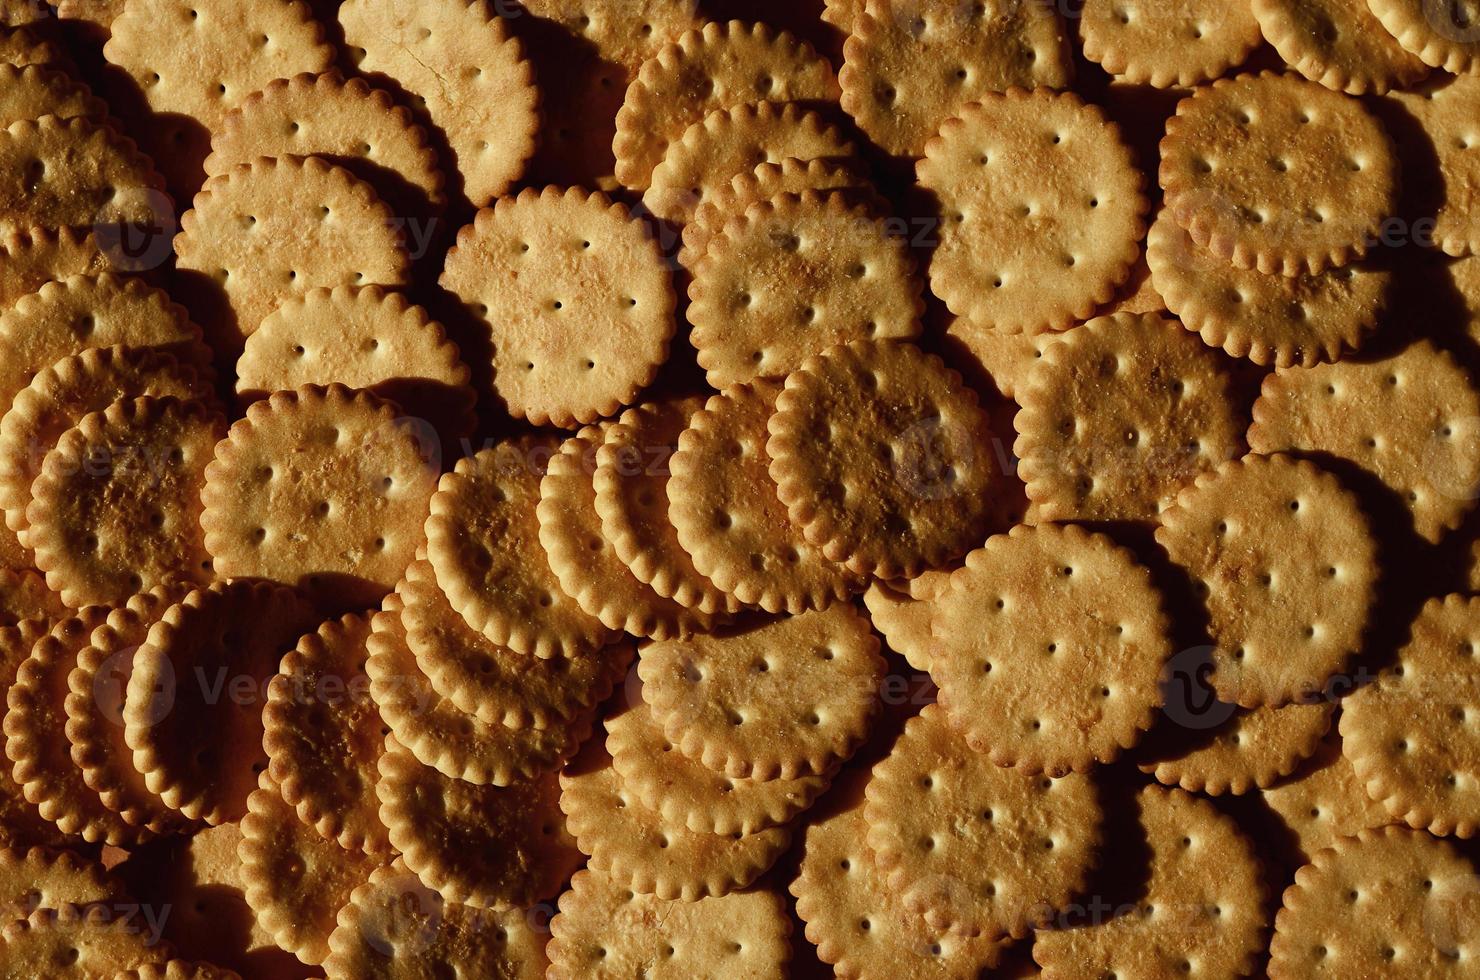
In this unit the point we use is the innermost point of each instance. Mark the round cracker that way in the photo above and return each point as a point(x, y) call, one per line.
point(441, 735)
point(193, 707)
point(491, 847)
point(322, 737)
point(706, 69)
point(483, 544)
point(396, 928)
point(21, 823)
point(724, 506)
point(731, 141)
point(1117, 416)
point(977, 849)
point(1252, 749)
point(1274, 321)
point(42, 878)
point(175, 969)
point(856, 922)
point(21, 46)
point(1408, 734)
point(1338, 43)
point(295, 879)
point(906, 482)
point(1443, 35)
point(909, 65)
point(1444, 110)
point(1167, 45)
point(465, 72)
point(76, 943)
point(577, 298)
point(338, 461)
point(685, 792)
point(33, 91)
point(1050, 649)
point(56, 172)
point(24, 595)
point(1042, 209)
point(359, 127)
point(624, 34)
point(792, 276)
point(1204, 872)
point(1287, 562)
point(116, 508)
point(649, 853)
point(365, 338)
point(607, 931)
point(273, 229)
point(587, 564)
point(34, 257)
point(1324, 800)
point(1391, 903)
point(1008, 358)
point(492, 682)
point(902, 611)
point(1411, 419)
point(734, 702)
point(631, 480)
point(1279, 174)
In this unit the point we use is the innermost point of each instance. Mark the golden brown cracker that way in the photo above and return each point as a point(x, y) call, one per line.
point(1167, 45)
point(1442, 35)
point(1324, 800)
point(1339, 43)
point(1251, 750)
point(1443, 110)
point(24, 595)
point(77, 943)
point(33, 91)
point(75, 172)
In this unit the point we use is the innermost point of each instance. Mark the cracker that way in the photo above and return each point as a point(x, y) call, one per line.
point(193, 707)
point(649, 853)
point(1204, 876)
point(179, 969)
point(441, 735)
point(18, 13)
point(21, 823)
point(1008, 358)
point(976, 849)
point(724, 506)
point(1324, 800)
point(273, 229)
point(792, 276)
point(61, 395)
point(1279, 174)
point(577, 299)
point(394, 927)
point(707, 69)
point(322, 735)
point(80, 311)
point(623, 34)
point(42, 766)
point(1390, 903)
point(1272, 320)
point(471, 79)
point(56, 172)
point(33, 91)
point(34, 257)
point(1117, 416)
point(856, 922)
point(295, 879)
point(96, 688)
point(631, 480)
point(766, 182)
point(1411, 419)
point(1442, 35)
point(580, 95)
point(907, 482)
point(366, 338)
point(491, 847)
point(1444, 110)
point(1041, 210)
point(492, 682)
point(778, 697)
point(483, 544)
point(731, 141)
point(47, 879)
point(334, 460)
point(1408, 735)
point(360, 128)
point(605, 930)
point(684, 792)
point(1050, 649)
point(77, 943)
point(587, 564)
point(116, 508)
point(20, 46)
point(1338, 43)
point(1287, 562)
point(902, 611)
point(24, 595)
point(218, 52)
point(1251, 750)
point(909, 65)
point(97, 13)
point(1167, 45)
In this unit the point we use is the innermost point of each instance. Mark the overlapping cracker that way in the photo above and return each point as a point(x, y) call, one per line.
point(75, 172)
point(1444, 111)
point(33, 91)
point(1442, 35)
point(1324, 800)
point(1167, 45)
point(1251, 750)
point(1339, 43)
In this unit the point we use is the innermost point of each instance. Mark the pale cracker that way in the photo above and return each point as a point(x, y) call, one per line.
point(902, 611)
point(624, 34)
point(35, 256)
point(1008, 358)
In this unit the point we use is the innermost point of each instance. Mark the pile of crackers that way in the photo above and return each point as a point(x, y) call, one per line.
point(874, 488)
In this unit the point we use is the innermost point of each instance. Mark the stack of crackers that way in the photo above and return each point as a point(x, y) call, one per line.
point(596, 488)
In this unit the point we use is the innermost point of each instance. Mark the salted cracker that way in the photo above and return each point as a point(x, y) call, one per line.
point(1167, 45)
point(33, 91)
point(24, 595)
point(1442, 35)
point(21, 822)
point(622, 34)
point(34, 257)
point(78, 943)
point(1252, 750)
point(76, 172)
point(22, 46)
point(1444, 112)
point(1338, 43)
point(1324, 800)
point(39, 877)
point(902, 611)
